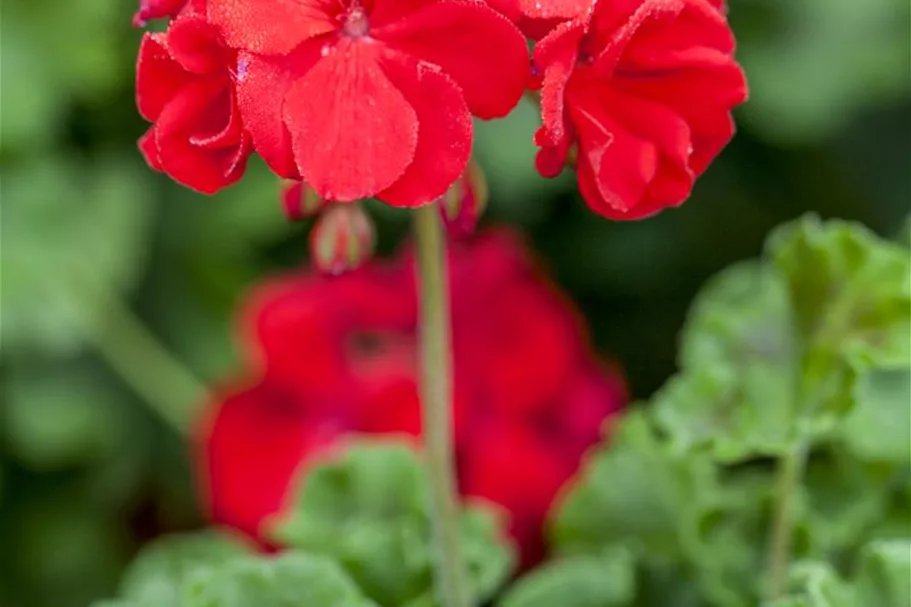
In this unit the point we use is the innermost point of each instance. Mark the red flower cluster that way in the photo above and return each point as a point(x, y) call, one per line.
point(645, 89)
point(363, 99)
point(374, 98)
point(331, 357)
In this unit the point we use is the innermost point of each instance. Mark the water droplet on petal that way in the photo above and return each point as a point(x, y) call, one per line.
point(242, 63)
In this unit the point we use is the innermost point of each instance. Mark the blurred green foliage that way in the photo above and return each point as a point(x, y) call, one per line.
point(780, 439)
point(208, 569)
point(369, 511)
point(118, 286)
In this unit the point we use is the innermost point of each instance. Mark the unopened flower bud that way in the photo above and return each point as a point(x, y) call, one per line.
point(299, 201)
point(464, 203)
point(342, 239)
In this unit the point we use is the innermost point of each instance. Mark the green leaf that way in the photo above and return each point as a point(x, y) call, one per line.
point(70, 231)
point(368, 510)
point(813, 584)
point(32, 109)
point(62, 415)
point(840, 502)
point(877, 428)
point(610, 503)
point(772, 351)
point(793, 96)
point(735, 396)
point(290, 580)
point(606, 580)
point(157, 576)
point(884, 578)
point(850, 290)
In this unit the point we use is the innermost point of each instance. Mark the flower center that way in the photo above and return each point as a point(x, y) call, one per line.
point(356, 23)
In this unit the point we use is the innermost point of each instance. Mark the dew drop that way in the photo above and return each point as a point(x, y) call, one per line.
point(242, 63)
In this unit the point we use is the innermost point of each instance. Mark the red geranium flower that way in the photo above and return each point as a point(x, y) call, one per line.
point(337, 356)
point(645, 88)
point(163, 9)
point(184, 84)
point(371, 98)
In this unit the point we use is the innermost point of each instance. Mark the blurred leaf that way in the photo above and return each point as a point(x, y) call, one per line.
point(83, 66)
point(815, 585)
point(60, 416)
point(850, 289)
point(840, 502)
point(772, 351)
point(60, 549)
point(32, 109)
point(156, 577)
point(289, 580)
point(368, 510)
point(740, 362)
point(884, 578)
point(728, 546)
point(68, 229)
point(610, 504)
point(877, 428)
point(606, 580)
point(796, 95)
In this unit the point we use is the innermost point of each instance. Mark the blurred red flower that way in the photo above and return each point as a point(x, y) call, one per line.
point(371, 98)
point(184, 85)
point(329, 357)
point(645, 88)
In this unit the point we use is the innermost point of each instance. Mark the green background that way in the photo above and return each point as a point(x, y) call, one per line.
point(118, 285)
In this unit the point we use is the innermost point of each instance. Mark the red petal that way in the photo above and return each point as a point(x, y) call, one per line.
point(444, 133)
point(551, 158)
point(226, 133)
point(512, 467)
point(262, 84)
point(659, 125)
point(702, 97)
point(158, 76)
point(353, 132)
point(478, 47)
point(156, 9)
point(271, 27)
point(656, 32)
point(149, 149)
point(237, 162)
point(623, 164)
point(386, 12)
point(196, 45)
point(253, 445)
point(557, 55)
point(198, 168)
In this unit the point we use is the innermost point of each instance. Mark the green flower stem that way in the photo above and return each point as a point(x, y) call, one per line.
point(790, 471)
point(141, 361)
point(436, 402)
